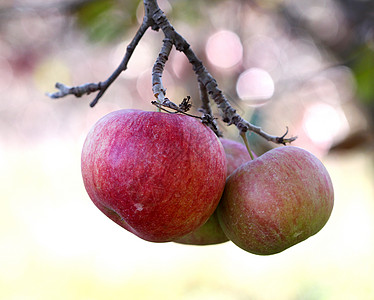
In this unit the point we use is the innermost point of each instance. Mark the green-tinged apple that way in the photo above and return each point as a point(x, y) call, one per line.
point(208, 234)
point(276, 201)
point(211, 232)
point(158, 175)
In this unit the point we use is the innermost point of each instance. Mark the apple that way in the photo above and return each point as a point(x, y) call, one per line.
point(236, 154)
point(158, 175)
point(208, 234)
point(211, 232)
point(276, 201)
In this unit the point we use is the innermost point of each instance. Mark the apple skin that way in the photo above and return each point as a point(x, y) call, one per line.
point(158, 175)
point(236, 154)
point(211, 232)
point(276, 201)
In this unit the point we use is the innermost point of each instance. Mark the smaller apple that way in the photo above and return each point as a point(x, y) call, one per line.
point(276, 201)
point(208, 234)
point(236, 154)
point(211, 232)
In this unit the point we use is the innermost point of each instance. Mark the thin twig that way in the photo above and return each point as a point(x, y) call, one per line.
point(205, 105)
point(89, 88)
point(158, 68)
point(77, 91)
point(155, 18)
point(175, 108)
point(206, 108)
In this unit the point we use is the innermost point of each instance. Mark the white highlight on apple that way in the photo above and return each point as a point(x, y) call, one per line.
point(138, 206)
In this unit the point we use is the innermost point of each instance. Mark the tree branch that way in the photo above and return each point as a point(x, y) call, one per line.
point(183, 108)
point(207, 110)
point(155, 18)
point(158, 69)
point(88, 88)
point(228, 113)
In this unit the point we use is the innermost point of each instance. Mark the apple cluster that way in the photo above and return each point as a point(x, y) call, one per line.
point(167, 177)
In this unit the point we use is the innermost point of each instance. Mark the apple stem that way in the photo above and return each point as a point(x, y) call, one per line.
point(245, 139)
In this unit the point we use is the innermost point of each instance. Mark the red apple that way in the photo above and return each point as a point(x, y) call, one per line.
point(276, 201)
point(158, 175)
point(236, 154)
point(211, 232)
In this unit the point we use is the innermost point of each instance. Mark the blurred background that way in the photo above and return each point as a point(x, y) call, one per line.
point(305, 65)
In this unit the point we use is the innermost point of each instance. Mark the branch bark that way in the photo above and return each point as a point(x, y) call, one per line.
point(207, 110)
point(228, 113)
point(158, 69)
point(155, 18)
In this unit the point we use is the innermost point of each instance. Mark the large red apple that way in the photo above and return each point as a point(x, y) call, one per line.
point(276, 201)
point(158, 175)
point(211, 232)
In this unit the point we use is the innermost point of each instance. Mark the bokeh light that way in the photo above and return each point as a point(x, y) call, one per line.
point(49, 71)
point(224, 49)
point(323, 124)
point(255, 86)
